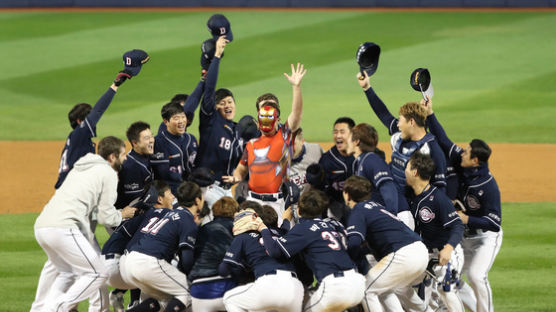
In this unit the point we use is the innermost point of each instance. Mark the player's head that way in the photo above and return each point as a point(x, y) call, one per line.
point(341, 131)
point(165, 196)
point(477, 153)
point(363, 139)
point(312, 204)
point(267, 98)
point(356, 190)
point(419, 167)
point(181, 98)
point(269, 118)
point(190, 196)
point(249, 204)
point(225, 103)
point(412, 119)
point(78, 113)
point(174, 118)
point(141, 138)
point(299, 140)
point(113, 150)
point(268, 215)
point(225, 207)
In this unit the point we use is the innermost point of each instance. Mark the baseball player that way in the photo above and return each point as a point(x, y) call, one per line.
point(147, 266)
point(248, 253)
point(361, 144)
point(213, 239)
point(304, 154)
point(63, 229)
point(266, 159)
point(402, 257)
point(174, 149)
point(322, 247)
point(439, 225)
point(136, 171)
point(83, 119)
point(157, 195)
point(482, 217)
point(408, 136)
point(221, 146)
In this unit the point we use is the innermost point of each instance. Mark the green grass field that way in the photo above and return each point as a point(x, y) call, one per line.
point(493, 73)
point(522, 277)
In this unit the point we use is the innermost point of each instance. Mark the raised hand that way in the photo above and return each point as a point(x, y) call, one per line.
point(121, 77)
point(427, 104)
point(220, 46)
point(363, 80)
point(297, 75)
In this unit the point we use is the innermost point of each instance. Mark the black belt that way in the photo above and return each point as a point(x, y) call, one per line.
point(266, 197)
point(274, 272)
point(109, 256)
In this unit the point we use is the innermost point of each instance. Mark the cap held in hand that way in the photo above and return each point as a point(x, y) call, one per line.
point(367, 57)
point(420, 80)
point(133, 60)
point(219, 25)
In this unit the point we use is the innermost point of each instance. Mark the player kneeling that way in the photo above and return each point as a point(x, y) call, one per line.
point(402, 256)
point(247, 252)
point(325, 253)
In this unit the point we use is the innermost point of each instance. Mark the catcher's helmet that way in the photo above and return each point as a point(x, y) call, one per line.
point(367, 57)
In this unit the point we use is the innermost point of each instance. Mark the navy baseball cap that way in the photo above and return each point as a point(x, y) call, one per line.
point(134, 59)
point(219, 25)
point(148, 199)
point(367, 57)
point(208, 48)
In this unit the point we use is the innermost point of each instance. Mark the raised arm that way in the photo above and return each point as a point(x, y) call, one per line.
point(209, 107)
point(194, 98)
point(435, 128)
point(381, 111)
point(294, 119)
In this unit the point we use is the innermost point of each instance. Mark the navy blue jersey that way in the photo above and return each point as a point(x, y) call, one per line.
point(135, 174)
point(318, 241)
point(478, 189)
point(126, 232)
point(382, 230)
point(143, 221)
point(162, 239)
point(79, 142)
point(452, 180)
point(436, 219)
point(403, 149)
point(247, 251)
point(337, 169)
point(173, 157)
point(220, 146)
point(374, 168)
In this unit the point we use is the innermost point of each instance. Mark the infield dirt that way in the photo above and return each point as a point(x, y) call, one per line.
point(525, 172)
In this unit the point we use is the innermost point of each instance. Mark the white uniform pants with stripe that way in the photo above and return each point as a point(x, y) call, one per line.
point(155, 277)
point(72, 255)
point(480, 251)
point(277, 292)
point(337, 293)
point(396, 270)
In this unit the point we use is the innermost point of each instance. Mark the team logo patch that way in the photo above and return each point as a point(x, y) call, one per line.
point(426, 215)
point(472, 202)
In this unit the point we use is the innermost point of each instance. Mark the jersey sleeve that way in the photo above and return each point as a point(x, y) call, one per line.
point(448, 147)
point(439, 178)
point(290, 244)
point(492, 219)
point(192, 150)
point(188, 234)
point(450, 219)
point(208, 107)
point(357, 225)
point(234, 254)
point(99, 108)
point(194, 98)
point(161, 163)
point(382, 111)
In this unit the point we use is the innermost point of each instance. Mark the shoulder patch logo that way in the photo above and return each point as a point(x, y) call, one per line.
point(426, 215)
point(472, 202)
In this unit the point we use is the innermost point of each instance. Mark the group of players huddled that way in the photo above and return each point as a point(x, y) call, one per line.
point(253, 218)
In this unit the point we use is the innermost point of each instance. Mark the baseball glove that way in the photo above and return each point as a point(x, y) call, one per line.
point(246, 220)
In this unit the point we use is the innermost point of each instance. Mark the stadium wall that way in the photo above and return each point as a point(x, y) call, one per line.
point(280, 3)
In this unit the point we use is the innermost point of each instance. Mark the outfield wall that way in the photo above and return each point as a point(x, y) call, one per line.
point(279, 3)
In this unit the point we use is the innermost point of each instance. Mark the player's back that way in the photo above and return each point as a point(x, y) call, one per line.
point(382, 230)
point(322, 246)
point(78, 144)
point(163, 238)
point(139, 225)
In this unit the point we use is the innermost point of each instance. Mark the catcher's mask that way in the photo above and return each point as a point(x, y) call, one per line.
point(268, 116)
